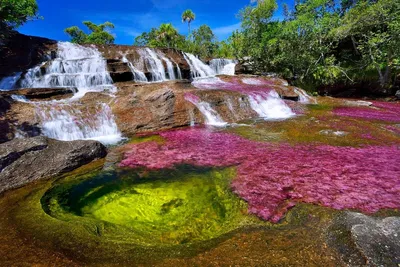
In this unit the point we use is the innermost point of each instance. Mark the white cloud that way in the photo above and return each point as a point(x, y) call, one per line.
point(226, 30)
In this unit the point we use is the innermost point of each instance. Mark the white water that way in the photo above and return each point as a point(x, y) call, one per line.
point(75, 66)
point(170, 67)
point(270, 106)
point(179, 72)
point(252, 81)
point(223, 66)
point(304, 97)
point(8, 83)
point(197, 68)
point(79, 67)
point(154, 65)
point(67, 122)
point(20, 98)
point(210, 115)
point(138, 75)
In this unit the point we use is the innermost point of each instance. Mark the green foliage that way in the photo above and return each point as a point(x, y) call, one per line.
point(99, 34)
point(322, 41)
point(14, 13)
point(201, 41)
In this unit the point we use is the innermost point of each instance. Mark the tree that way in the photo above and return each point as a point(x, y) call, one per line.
point(14, 13)
point(205, 42)
point(99, 33)
point(188, 16)
point(166, 34)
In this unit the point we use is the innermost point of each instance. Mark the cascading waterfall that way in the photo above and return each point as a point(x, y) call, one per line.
point(75, 66)
point(79, 67)
point(223, 66)
point(270, 106)
point(8, 83)
point(66, 121)
point(154, 65)
point(211, 116)
point(170, 67)
point(197, 68)
point(138, 75)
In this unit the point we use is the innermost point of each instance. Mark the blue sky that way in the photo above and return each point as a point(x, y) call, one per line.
point(132, 17)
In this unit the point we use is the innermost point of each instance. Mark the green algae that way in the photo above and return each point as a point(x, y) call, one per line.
point(177, 206)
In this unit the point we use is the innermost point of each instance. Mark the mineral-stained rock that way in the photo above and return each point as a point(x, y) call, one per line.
point(378, 240)
point(26, 160)
point(42, 93)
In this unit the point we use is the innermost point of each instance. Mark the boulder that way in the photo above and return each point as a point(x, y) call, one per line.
point(376, 239)
point(26, 160)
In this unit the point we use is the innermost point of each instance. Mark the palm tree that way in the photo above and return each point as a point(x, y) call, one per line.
point(188, 16)
point(167, 33)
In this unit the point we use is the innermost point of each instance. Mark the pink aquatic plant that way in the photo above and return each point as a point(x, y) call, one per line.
point(273, 178)
point(380, 111)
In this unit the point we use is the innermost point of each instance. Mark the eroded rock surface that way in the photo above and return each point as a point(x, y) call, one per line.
point(26, 160)
point(378, 240)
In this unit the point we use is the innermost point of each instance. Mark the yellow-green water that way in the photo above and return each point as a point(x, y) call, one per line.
point(177, 206)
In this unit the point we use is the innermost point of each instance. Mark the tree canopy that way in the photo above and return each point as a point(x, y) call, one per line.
point(14, 13)
point(99, 34)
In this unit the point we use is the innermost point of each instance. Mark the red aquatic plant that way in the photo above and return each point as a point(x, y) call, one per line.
point(379, 111)
point(273, 178)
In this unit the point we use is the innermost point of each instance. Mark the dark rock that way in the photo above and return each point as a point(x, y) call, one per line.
point(26, 160)
point(243, 68)
point(13, 150)
point(398, 94)
point(22, 52)
point(376, 239)
point(41, 93)
point(4, 105)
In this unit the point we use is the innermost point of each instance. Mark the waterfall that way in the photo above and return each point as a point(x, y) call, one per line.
point(223, 66)
point(138, 75)
point(75, 66)
point(304, 97)
point(170, 67)
point(154, 65)
point(197, 68)
point(64, 121)
point(179, 72)
point(211, 116)
point(270, 106)
point(8, 83)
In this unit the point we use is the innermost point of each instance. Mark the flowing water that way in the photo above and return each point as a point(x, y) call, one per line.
point(154, 65)
point(223, 66)
point(76, 66)
point(9, 83)
point(211, 116)
point(197, 68)
point(270, 106)
point(71, 121)
point(138, 75)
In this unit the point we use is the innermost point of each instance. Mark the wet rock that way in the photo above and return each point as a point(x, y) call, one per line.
point(378, 240)
point(244, 68)
point(42, 93)
point(4, 105)
point(23, 52)
point(26, 160)
point(398, 94)
point(333, 133)
point(358, 103)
